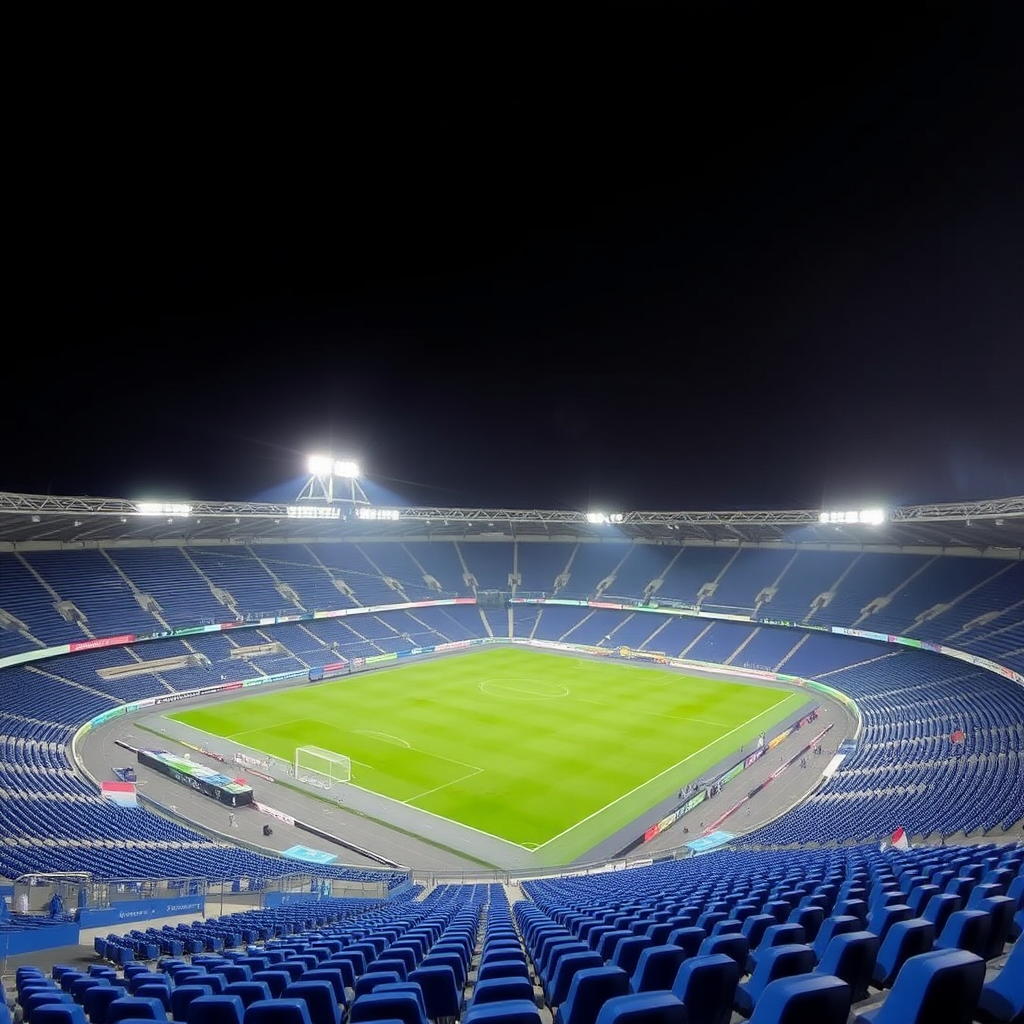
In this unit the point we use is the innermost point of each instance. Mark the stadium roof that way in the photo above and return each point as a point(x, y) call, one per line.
point(26, 520)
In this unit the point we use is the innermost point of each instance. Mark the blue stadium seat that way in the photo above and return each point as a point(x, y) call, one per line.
point(817, 998)
point(441, 995)
point(734, 945)
point(940, 987)
point(498, 990)
point(643, 1008)
point(135, 1007)
point(518, 1011)
point(657, 968)
point(375, 1006)
point(1002, 997)
point(59, 1013)
point(589, 990)
point(831, 927)
point(277, 1011)
point(966, 929)
point(688, 939)
point(320, 1000)
point(154, 990)
point(96, 1001)
point(851, 957)
point(333, 976)
point(904, 940)
point(707, 987)
point(772, 963)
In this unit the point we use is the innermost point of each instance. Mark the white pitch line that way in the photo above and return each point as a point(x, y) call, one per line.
point(440, 817)
point(670, 768)
point(264, 728)
point(444, 785)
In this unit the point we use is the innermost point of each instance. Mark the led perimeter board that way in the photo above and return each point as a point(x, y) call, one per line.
point(198, 777)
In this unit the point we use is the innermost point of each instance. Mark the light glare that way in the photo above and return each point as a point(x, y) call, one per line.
point(866, 517)
point(163, 508)
point(368, 512)
point(313, 512)
point(320, 465)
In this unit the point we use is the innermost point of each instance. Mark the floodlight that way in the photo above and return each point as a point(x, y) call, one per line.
point(320, 465)
point(370, 512)
point(597, 518)
point(163, 508)
point(866, 517)
point(314, 512)
point(324, 470)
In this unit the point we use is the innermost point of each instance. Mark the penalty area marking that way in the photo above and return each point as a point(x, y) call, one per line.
point(385, 736)
point(444, 785)
point(522, 688)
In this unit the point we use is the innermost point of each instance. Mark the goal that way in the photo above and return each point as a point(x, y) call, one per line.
point(321, 768)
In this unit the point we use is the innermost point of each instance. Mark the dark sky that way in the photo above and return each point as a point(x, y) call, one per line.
point(630, 256)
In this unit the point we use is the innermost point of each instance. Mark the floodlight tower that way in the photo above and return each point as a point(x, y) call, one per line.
point(333, 481)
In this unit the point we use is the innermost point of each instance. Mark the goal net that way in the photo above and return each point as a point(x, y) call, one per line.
point(321, 768)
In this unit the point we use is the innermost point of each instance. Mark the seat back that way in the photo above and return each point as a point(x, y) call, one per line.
point(144, 1007)
point(1001, 908)
point(942, 985)
point(904, 940)
point(735, 945)
point(320, 1000)
point(215, 1009)
point(755, 926)
point(643, 1008)
point(333, 976)
point(939, 907)
point(156, 990)
point(248, 991)
point(96, 1000)
point(688, 939)
point(1002, 998)
point(403, 1006)
point(707, 986)
point(966, 929)
point(276, 981)
point(821, 998)
point(589, 990)
point(831, 927)
point(628, 950)
point(514, 1011)
point(182, 995)
point(58, 1013)
point(809, 918)
point(366, 983)
point(498, 990)
point(441, 995)
point(851, 957)
point(277, 1011)
point(658, 966)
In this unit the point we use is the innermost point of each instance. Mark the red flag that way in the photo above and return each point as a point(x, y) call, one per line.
point(899, 839)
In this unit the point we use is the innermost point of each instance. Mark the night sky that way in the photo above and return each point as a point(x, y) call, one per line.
point(633, 257)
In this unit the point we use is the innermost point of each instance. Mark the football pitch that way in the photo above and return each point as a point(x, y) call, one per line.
point(549, 752)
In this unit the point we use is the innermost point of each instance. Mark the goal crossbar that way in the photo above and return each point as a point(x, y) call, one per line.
point(322, 767)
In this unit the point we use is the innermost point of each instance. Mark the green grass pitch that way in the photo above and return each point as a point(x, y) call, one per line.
point(549, 752)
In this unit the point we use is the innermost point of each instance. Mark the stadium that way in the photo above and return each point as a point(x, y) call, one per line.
point(329, 759)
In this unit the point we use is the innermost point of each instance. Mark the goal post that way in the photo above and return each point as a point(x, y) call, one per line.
point(320, 767)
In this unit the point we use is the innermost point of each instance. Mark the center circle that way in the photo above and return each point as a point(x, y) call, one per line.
point(523, 688)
